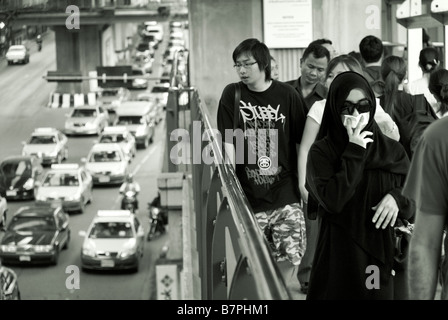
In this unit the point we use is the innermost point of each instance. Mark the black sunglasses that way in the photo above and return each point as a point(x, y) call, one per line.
point(362, 106)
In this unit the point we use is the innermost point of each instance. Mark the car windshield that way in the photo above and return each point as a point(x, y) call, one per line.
point(107, 230)
point(19, 168)
point(126, 120)
point(109, 93)
point(107, 138)
point(34, 223)
point(43, 140)
point(142, 47)
point(84, 113)
point(105, 156)
point(159, 89)
point(56, 179)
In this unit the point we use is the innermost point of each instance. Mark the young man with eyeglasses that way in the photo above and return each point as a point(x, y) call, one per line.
point(270, 115)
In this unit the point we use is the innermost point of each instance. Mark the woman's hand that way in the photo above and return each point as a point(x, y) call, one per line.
point(356, 136)
point(386, 211)
point(303, 194)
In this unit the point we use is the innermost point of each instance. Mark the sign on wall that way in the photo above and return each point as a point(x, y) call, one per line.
point(287, 23)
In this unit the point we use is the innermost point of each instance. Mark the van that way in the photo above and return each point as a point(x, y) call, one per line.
point(136, 116)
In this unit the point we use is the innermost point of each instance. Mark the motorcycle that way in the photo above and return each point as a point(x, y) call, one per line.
point(156, 222)
point(39, 42)
point(129, 201)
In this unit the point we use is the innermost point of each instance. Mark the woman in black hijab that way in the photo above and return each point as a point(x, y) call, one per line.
point(356, 174)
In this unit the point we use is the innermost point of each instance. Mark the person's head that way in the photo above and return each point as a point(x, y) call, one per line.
point(393, 73)
point(349, 95)
point(339, 64)
point(357, 56)
point(314, 63)
point(428, 59)
point(371, 49)
point(274, 69)
point(328, 44)
point(130, 178)
point(438, 86)
point(252, 61)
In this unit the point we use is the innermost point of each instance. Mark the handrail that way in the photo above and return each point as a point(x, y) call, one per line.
point(269, 282)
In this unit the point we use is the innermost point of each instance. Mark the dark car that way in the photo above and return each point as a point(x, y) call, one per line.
point(18, 175)
point(9, 287)
point(35, 234)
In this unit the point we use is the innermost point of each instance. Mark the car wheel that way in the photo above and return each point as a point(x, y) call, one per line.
point(67, 242)
point(55, 259)
point(151, 140)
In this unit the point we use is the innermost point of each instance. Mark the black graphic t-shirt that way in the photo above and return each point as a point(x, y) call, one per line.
point(270, 124)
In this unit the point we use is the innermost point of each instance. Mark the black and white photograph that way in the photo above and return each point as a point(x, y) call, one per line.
point(209, 151)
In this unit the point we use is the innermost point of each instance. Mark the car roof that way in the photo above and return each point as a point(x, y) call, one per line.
point(38, 210)
point(44, 131)
point(133, 107)
point(65, 167)
point(105, 147)
point(115, 129)
point(113, 216)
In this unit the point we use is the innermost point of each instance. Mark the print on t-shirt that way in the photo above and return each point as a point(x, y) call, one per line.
point(261, 137)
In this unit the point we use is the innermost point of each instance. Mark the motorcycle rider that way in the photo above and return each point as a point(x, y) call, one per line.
point(39, 41)
point(130, 185)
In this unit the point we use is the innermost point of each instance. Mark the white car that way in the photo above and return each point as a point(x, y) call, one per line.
point(68, 184)
point(160, 92)
point(47, 144)
point(107, 163)
point(122, 136)
point(111, 98)
point(114, 240)
point(86, 120)
point(18, 54)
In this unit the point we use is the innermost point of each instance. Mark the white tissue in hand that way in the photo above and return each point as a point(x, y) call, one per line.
point(355, 120)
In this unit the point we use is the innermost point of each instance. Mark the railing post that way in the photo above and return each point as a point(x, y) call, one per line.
point(172, 123)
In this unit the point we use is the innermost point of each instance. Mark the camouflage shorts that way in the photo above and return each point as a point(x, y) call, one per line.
point(285, 231)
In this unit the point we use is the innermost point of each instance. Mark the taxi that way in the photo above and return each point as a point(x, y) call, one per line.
point(107, 163)
point(86, 120)
point(114, 240)
point(35, 234)
point(68, 184)
point(122, 136)
point(47, 144)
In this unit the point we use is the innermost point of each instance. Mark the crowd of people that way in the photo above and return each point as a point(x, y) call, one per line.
point(359, 151)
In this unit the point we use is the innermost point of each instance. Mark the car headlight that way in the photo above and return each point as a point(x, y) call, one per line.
point(88, 250)
point(75, 197)
point(43, 248)
point(128, 252)
point(40, 197)
point(29, 184)
point(8, 248)
point(140, 131)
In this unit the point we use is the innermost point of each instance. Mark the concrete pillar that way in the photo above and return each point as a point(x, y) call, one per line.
point(77, 51)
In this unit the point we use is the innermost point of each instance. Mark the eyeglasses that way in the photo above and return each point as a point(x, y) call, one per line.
point(245, 65)
point(362, 106)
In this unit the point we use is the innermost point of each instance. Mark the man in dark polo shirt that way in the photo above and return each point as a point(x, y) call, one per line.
point(312, 67)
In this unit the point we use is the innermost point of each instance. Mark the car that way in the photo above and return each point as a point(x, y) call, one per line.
point(122, 136)
point(137, 116)
point(171, 51)
point(9, 286)
point(143, 63)
point(86, 119)
point(176, 42)
point(157, 112)
point(36, 234)
point(18, 177)
point(160, 92)
point(3, 211)
point(107, 163)
point(156, 30)
point(114, 240)
point(175, 24)
point(139, 83)
point(18, 54)
point(145, 50)
point(50, 145)
point(111, 98)
point(68, 184)
point(151, 40)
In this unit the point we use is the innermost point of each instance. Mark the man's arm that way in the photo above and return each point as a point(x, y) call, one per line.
point(424, 255)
